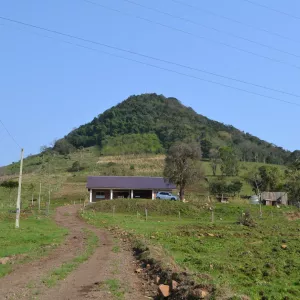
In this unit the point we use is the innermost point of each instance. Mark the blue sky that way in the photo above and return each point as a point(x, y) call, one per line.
point(48, 87)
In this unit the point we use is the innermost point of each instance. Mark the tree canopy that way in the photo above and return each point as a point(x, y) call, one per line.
point(183, 165)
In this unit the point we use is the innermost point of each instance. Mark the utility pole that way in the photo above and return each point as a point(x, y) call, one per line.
point(19, 192)
point(40, 196)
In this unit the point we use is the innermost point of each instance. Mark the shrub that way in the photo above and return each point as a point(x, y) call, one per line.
point(246, 219)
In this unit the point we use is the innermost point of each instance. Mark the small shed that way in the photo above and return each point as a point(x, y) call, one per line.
point(274, 198)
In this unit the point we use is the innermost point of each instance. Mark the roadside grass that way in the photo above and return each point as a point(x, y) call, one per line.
point(115, 288)
point(66, 268)
point(36, 236)
point(237, 259)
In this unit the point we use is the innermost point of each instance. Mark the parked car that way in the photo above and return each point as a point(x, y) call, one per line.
point(166, 196)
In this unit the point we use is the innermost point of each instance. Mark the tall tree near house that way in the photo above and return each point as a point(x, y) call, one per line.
point(271, 178)
point(214, 156)
point(254, 179)
point(229, 161)
point(183, 165)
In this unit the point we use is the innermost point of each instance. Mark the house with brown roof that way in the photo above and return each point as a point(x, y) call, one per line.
point(116, 187)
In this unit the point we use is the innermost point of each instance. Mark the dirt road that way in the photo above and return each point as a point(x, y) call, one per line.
point(107, 274)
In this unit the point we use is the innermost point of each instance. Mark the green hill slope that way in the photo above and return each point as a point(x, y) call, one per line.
point(170, 121)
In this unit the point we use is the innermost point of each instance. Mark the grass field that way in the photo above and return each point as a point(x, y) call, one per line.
point(36, 236)
point(238, 260)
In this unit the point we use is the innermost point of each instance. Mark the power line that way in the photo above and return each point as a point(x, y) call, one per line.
point(5, 128)
point(173, 71)
point(211, 28)
point(192, 34)
point(234, 20)
point(273, 9)
point(151, 57)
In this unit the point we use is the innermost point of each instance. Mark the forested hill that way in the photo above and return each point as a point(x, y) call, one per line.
point(151, 119)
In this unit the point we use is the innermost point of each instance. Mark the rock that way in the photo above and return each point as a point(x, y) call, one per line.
point(138, 270)
point(152, 237)
point(157, 279)
point(4, 260)
point(211, 234)
point(200, 293)
point(174, 285)
point(284, 246)
point(148, 266)
point(164, 290)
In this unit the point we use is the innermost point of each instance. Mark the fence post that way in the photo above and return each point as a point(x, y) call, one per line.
point(114, 208)
point(179, 215)
point(146, 213)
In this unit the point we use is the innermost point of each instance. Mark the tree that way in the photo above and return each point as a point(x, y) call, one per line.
point(265, 178)
point(206, 146)
point(183, 165)
point(10, 185)
point(271, 178)
point(63, 147)
point(229, 161)
point(214, 156)
point(254, 179)
point(76, 167)
point(31, 188)
point(234, 188)
point(292, 185)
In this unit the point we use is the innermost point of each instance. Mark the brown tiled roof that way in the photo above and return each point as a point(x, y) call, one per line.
point(129, 182)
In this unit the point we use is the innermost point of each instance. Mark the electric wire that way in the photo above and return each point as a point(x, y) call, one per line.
point(211, 28)
point(11, 136)
point(192, 34)
point(273, 9)
point(194, 7)
point(174, 71)
point(155, 58)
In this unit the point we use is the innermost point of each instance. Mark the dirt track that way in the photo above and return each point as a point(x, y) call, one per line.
point(88, 280)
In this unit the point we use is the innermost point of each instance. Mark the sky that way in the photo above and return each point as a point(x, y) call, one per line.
point(50, 83)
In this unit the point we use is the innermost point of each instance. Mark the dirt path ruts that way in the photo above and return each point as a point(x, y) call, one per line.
point(89, 280)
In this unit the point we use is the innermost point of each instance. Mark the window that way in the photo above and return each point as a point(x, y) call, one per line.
point(100, 195)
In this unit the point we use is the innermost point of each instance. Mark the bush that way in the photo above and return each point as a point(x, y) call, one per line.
point(76, 167)
point(246, 219)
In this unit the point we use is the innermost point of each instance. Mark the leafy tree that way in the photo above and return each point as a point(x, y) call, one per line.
point(218, 187)
point(183, 165)
point(63, 147)
point(10, 185)
point(214, 156)
point(253, 177)
point(292, 185)
point(206, 146)
point(229, 161)
point(235, 187)
point(221, 187)
point(76, 167)
point(271, 178)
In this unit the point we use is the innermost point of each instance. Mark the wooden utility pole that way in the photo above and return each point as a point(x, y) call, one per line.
point(40, 196)
point(19, 192)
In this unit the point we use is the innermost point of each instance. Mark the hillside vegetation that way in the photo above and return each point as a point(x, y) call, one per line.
point(67, 182)
point(170, 121)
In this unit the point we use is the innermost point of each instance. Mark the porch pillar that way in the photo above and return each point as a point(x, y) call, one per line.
point(111, 194)
point(131, 194)
point(91, 195)
point(153, 195)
